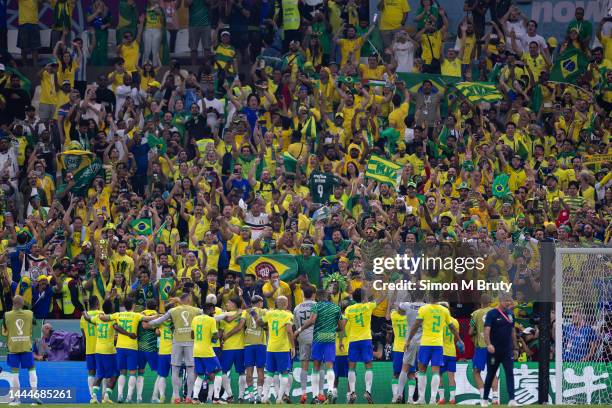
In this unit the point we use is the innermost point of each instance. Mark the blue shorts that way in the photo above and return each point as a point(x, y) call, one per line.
point(255, 355)
point(163, 365)
point(90, 360)
point(450, 365)
point(341, 366)
point(431, 354)
point(360, 351)
point(127, 359)
point(149, 357)
point(479, 360)
point(325, 352)
point(20, 360)
point(231, 358)
point(278, 361)
point(398, 361)
point(106, 365)
point(206, 365)
point(217, 351)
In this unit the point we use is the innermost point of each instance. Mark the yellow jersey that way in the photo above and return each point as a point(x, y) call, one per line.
point(165, 338)
point(129, 53)
point(204, 328)
point(451, 68)
point(28, 12)
point(278, 340)
point(449, 339)
point(236, 342)
point(283, 289)
point(238, 247)
point(89, 331)
point(105, 336)
point(434, 319)
point(399, 324)
point(393, 14)
point(48, 92)
point(358, 321)
point(128, 321)
point(431, 44)
point(350, 47)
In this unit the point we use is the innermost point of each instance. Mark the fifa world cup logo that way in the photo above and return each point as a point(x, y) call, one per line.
point(19, 325)
point(185, 317)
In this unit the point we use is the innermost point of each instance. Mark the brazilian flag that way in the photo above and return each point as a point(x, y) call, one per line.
point(382, 170)
point(290, 163)
point(500, 186)
point(569, 66)
point(263, 265)
point(477, 92)
point(142, 226)
point(158, 143)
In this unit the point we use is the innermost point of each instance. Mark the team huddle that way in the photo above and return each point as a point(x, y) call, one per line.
point(260, 346)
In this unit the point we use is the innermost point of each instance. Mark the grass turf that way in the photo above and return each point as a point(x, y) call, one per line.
point(336, 405)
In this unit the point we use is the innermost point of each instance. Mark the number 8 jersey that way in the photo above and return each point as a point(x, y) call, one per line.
point(434, 319)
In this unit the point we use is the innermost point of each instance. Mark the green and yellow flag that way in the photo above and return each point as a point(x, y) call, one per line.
point(263, 265)
point(290, 163)
point(477, 92)
point(500, 186)
point(84, 167)
point(158, 143)
point(142, 226)
point(569, 66)
point(382, 170)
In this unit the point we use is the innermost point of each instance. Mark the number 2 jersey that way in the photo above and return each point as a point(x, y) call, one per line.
point(434, 319)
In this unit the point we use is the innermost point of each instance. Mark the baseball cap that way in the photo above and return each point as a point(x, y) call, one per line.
point(411, 184)
point(225, 32)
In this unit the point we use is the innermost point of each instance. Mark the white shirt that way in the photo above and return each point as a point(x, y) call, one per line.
point(121, 94)
point(216, 104)
point(526, 39)
point(257, 223)
point(404, 55)
point(519, 30)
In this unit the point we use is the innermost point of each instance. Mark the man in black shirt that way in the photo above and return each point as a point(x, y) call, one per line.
point(500, 338)
point(105, 96)
point(16, 98)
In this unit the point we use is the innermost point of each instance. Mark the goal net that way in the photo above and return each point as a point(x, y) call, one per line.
point(583, 326)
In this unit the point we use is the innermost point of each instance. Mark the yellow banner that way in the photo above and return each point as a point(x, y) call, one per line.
point(598, 159)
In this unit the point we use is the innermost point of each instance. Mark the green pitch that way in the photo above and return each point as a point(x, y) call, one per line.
point(336, 405)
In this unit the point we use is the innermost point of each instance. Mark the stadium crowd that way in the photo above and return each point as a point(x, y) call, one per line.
point(152, 180)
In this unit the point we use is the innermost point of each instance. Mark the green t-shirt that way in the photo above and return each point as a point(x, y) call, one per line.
point(321, 186)
point(326, 325)
point(198, 14)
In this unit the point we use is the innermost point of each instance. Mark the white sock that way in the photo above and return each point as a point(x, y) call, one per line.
point(241, 385)
point(495, 395)
point(131, 386)
point(103, 388)
point(284, 386)
point(260, 391)
point(139, 387)
point(401, 382)
point(321, 381)
point(422, 379)
point(394, 388)
point(411, 387)
point(481, 391)
point(16, 385)
point(33, 380)
point(304, 381)
point(155, 391)
point(197, 387)
point(330, 376)
point(314, 378)
point(209, 394)
point(217, 386)
point(277, 385)
point(440, 393)
point(435, 383)
point(161, 387)
point(352, 379)
point(227, 384)
point(90, 382)
point(120, 387)
point(266, 387)
point(453, 391)
point(369, 379)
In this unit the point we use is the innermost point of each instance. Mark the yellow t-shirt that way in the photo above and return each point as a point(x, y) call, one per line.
point(236, 342)
point(89, 330)
point(105, 336)
point(68, 73)
point(399, 323)
point(431, 44)
point(449, 339)
point(237, 246)
point(165, 338)
point(122, 264)
point(397, 117)
point(128, 321)
point(203, 327)
point(434, 319)
point(537, 64)
point(451, 68)
point(283, 288)
point(393, 14)
point(277, 320)
point(350, 46)
point(28, 12)
point(130, 54)
point(48, 93)
point(358, 321)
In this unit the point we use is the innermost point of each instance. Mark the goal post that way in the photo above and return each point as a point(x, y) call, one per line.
point(583, 313)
